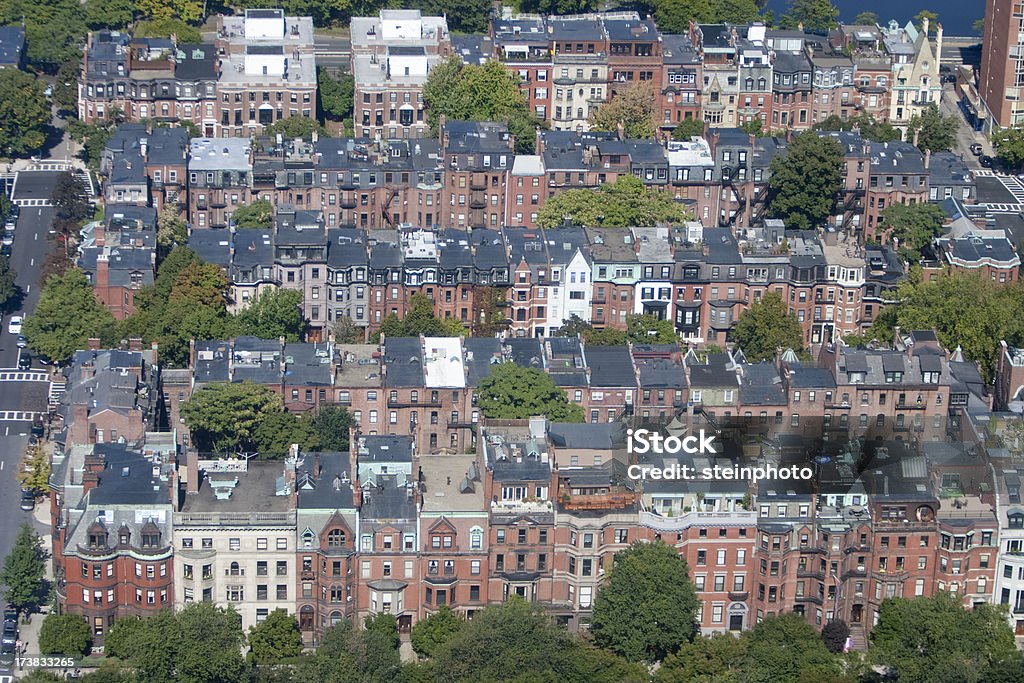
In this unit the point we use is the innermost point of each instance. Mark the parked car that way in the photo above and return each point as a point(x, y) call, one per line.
point(8, 238)
point(28, 501)
point(10, 634)
point(5, 250)
point(25, 362)
point(38, 428)
point(986, 162)
point(977, 150)
point(22, 342)
point(14, 326)
point(7, 654)
point(10, 224)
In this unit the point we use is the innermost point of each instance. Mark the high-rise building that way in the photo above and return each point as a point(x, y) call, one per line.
point(1002, 62)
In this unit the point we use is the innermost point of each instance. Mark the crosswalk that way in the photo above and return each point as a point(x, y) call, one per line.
point(24, 376)
point(17, 416)
point(57, 390)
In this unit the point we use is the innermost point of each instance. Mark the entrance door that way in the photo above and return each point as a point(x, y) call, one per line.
point(857, 614)
point(735, 622)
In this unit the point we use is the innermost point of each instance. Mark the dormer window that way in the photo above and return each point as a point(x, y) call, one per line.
point(1016, 520)
point(930, 377)
point(335, 538)
point(98, 540)
point(150, 540)
point(857, 378)
point(893, 377)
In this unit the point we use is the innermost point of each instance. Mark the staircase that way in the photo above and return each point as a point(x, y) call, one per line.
point(859, 638)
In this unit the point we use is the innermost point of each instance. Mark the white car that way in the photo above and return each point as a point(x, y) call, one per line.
point(14, 327)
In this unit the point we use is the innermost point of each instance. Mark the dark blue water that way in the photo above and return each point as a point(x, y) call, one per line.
point(956, 16)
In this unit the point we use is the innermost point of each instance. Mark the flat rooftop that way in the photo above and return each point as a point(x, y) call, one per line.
point(443, 367)
point(449, 485)
point(254, 490)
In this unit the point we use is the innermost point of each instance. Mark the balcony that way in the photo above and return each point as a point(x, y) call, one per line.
point(348, 202)
point(810, 574)
point(810, 598)
point(920, 405)
point(739, 596)
point(478, 183)
point(616, 497)
point(218, 204)
point(689, 519)
point(477, 202)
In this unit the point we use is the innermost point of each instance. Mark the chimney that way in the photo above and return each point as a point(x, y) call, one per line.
point(192, 472)
point(924, 26)
point(917, 135)
point(102, 272)
point(620, 130)
point(94, 344)
point(135, 343)
point(441, 121)
point(100, 234)
point(316, 466)
point(927, 158)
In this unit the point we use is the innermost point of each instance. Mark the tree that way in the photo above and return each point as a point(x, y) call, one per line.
point(935, 131)
point(1009, 146)
point(336, 94)
point(648, 607)
point(275, 313)
point(870, 129)
point(331, 426)
point(688, 128)
point(968, 311)
point(913, 226)
point(932, 17)
point(786, 649)
point(346, 331)
point(559, 6)
point(624, 203)
point(814, 15)
point(34, 474)
point(649, 329)
point(632, 107)
point(516, 641)
point(934, 639)
point(294, 127)
point(53, 32)
point(171, 229)
point(65, 86)
point(804, 181)
point(92, 137)
point(420, 320)
point(834, 635)
point(64, 634)
point(23, 570)
point(9, 290)
point(734, 11)
point(275, 434)
point(24, 114)
point(766, 327)
point(429, 634)
point(866, 19)
point(674, 16)
point(67, 316)
point(112, 14)
point(350, 655)
point(258, 214)
point(275, 638)
point(70, 197)
point(486, 92)
point(466, 16)
point(224, 416)
point(512, 392)
point(165, 28)
point(574, 326)
point(718, 658)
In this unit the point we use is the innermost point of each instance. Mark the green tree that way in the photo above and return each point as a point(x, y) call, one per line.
point(24, 114)
point(70, 197)
point(336, 94)
point(735, 11)
point(350, 655)
point(624, 203)
point(766, 327)
point(648, 607)
point(67, 316)
point(834, 635)
point(165, 28)
point(804, 181)
point(512, 392)
point(674, 16)
point(34, 474)
point(93, 137)
point(814, 15)
point(516, 641)
point(1009, 146)
point(935, 131)
point(718, 659)
point(964, 310)
point(933, 20)
point(487, 92)
point(53, 33)
point(786, 649)
point(278, 431)
point(573, 326)
point(466, 16)
point(111, 14)
point(171, 229)
point(934, 639)
point(649, 329)
point(420, 320)
point(224, 417)
point(295, 127)
point(64, 634)
point(195, 309)
point(275, 313)
point(915, 226)
point(258, 214)
point(866, 19)
point(331, 426)
point(632, 108)
point(430, 634)
point(870, 129)
point(559, 6)
point(9, 290)
point(275, 638)
point(346, 331)
point(23, 572)
point(65, 86)
point(688, 128)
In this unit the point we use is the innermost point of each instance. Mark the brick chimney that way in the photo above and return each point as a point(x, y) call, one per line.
point(94, 344)
point(192, 472)
point(135, 344)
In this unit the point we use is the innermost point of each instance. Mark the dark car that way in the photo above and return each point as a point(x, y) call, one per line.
point(25, 362)
point(986, 162)
point(10, 634)
point(7, 654)
point(28, 501)
point(38, 428)
point(5, 250)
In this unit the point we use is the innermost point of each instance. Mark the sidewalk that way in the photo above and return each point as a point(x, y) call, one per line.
point(29, 632)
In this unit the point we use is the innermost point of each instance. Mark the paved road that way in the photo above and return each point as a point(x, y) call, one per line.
point(17, 395)
point(965, 135)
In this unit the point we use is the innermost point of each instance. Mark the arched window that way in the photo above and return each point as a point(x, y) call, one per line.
point(234, 569)
point(306, 618)
point(335, 538)
point(335, 618)
point(476, 538)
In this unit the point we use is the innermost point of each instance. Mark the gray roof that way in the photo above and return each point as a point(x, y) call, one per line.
point(254, 490)
point(761, 385)
point(610, 366)
point(12, 44)
point(385, 448)
point(597, 436)
point(403, 358)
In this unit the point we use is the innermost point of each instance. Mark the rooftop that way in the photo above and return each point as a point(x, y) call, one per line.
point(451, 483)
point(254, 489)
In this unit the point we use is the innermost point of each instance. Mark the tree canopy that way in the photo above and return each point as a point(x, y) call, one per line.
point(641, 329)
point(24, 114)
point(674, 16)
point(786, 649)
point(487, 92)
point(512, 392)
point(624, 203)
point(814, 15)
point(24, 569)
point(420, 320)
point(688, 128)
point(10, 293)
point(935, 131)
point(913, 227)
point(804, 181)
point(294, 127)
point(53, 33)
point(965, 310)
point(633, 107)
point(275, 313)
point(336, 94)
point(1009, 146)
point(167, 27)
point(648, 607)
point(64, 634)
point(347, 654)
point(430, 634)
point(226, 417)
point(257, 214)
point(766, 327)
point(718, 658)
point(869, 127)
point(275, 638)
point(331, 426)
point(67, 316)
